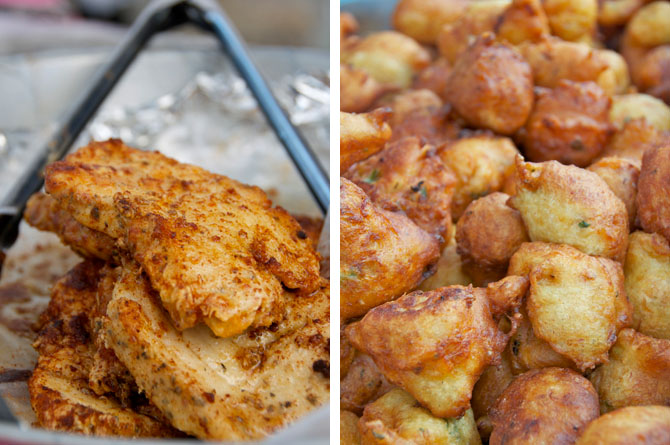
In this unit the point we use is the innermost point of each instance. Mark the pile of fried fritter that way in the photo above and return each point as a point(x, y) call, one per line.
point(198, 308)
point(505, 224)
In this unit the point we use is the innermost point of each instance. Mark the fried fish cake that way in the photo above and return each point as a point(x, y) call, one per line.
point(382, 254)
point(569, 205)
point(409, 177)
point(436, 344)
point(214, 248)
point(59, 386)
point(550, 405)
point(621, 176)
point(637, 373)
point(634, 424)
point(653, 191)
point(44, 213)
point(238, 388)
point(362, 135)
point(396, 418)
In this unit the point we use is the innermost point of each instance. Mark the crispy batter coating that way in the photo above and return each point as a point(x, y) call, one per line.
point(436, 344)
point(569, 205)
point(621, 176)
point(409, 102)
point(311, 227)
point(491, 86)
point(434, 77)
point(388, 57)
point(488, 388)
point(239, 388)
point(364, 383)
point(358, 90)
point(630, 142)
point(489, 232)
point(522, 21)
point(652, 73)
point(449, 268)
point(349, 434)
point(569, 124)
point(481, 163)
point(634, 424)
point(362, 135)
point(409, 177)
point(423, 19)
point(59, 386)
point(572, 304)
point(653, 191)
point(618, 12)
point(638, 372)
point(572, 20)
point(348, 25)
point(382, 254)
point(627, 107)
point(214, 248)
point(44, 213)
point(647, 272)
point(553, 60)
point(650, 26)
point(397, 418)
point(551, 405)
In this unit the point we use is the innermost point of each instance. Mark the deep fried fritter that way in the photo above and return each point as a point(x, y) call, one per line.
point(391, 58)
point(630, 142)
point(635, 424)
point(423, 19)
point(59, 386)
point(627, 107)
point(382, 254)
point(569, 205)
point(488, 388)
point(618, 12)
point(650, 65)
point(364, 383)
point(436, 344)
point(237, 388)
point(652, 74)
point(481, 163)
point(347, 353)
point(434, 77)
point(523, 21)
point(397, 418)
point(572, 20)
point(362, 135)
point(637, 373)
point(44, 213)
point(653, 191)
point(349, 434)
point(650, 26)
point(569, 124)
point(572, 304)
point(491, 86)
point(409, 177)
point(449, 268)
point(621, 176)
point(647, 272)
point(358, 90)
point(489, 232)
point(550, 405)
point(214, 248)
point(348, 25)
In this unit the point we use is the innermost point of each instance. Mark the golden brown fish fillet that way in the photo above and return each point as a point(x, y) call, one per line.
point(44, 213)
point(237, 388)
point(59, 389)
point(215, 249)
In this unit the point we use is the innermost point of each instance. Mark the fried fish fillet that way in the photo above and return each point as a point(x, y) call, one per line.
point(237, 388)
point(59, 386)
point(215, 249)
point(44, 213)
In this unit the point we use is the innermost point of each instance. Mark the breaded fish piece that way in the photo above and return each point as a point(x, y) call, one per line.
point(44, 213)
point(237, 388)
point(214, 248)
point(59, 390)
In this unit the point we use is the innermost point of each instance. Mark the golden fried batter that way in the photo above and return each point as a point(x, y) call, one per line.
point(631, 141)
point(618, 12)
point(621, 176)
point(349, 434)
point(382, 254)
point(396, 418)
point(215, 249)
point(569, 124)
point(423, 19)
point(362, 135)
point(635, 424)
point(627, 107)
point(522, 21)
point(491, 86)
point(551, 405)
point(647, 272)
point(653, 191)
point(434, 77)
point(364, 383)
point(637, 373)
point(348, 25)
point(59, 386)
point(436, 344)
point(239, 388)
point(409, 177)
point(358, 90)
point(572, 20)
point(569, 205)
point(488, 388)
point(44, 213)
point(449, 268)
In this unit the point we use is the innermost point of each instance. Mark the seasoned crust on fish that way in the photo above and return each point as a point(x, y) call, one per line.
point(59, 387)
point(237, 388)
point(215, 249)
point(44, 213)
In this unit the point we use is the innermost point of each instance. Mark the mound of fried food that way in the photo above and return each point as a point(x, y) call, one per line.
point(117, 359)
point(530, 140)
